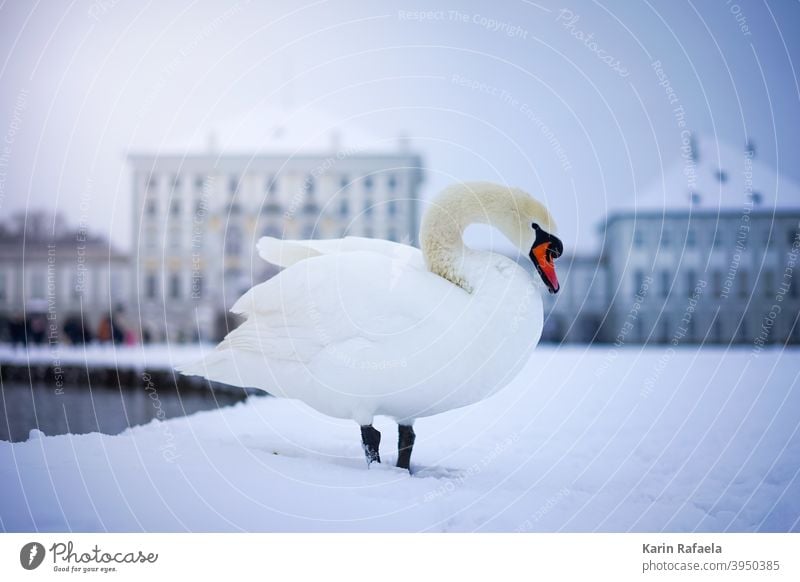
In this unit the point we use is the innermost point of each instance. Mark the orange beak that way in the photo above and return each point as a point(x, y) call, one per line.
point(542, 256)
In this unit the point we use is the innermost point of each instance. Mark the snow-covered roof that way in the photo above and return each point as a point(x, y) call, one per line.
point(709, 175)
point(270, 129)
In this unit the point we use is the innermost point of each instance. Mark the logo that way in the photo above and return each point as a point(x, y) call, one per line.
point(31, 555)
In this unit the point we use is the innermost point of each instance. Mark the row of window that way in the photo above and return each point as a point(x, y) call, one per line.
point(665, 238)
point(669, 329)
point(270, 183)
point(38, 287)
point(343, 208)
point(174, 287)
point(719, 283)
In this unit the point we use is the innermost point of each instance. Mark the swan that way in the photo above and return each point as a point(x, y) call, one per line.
point(358, 327)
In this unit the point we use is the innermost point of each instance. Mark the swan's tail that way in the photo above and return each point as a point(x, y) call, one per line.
point(241, 368)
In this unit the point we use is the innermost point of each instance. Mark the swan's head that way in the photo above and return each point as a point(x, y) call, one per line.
point(525, 221)
point(528, 224)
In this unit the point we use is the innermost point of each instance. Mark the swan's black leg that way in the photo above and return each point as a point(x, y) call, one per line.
point(371, 441)
point(405, 442)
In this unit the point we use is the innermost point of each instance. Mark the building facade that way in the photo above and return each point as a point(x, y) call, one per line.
point(710, 254)
point(197, 219)
point(52, 276)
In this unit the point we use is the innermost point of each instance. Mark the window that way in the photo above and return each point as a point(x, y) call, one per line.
point(716, 330)
point(743, 329)
point(150, 286)
point(3, 296)
point(664, 283)
point(392, 235)
point(744, 288)
point(638, 238)
point(233, 185)
point(691, 238)
point(391, 183)
point(175, 238)
point(793, 286)
point(793, 236)
point(152, 183)
point(368, 184)
point(766, 283)
point(768, 238)
point(175, 209)
point(76, 286)
point(116, 286)
point(716, 283)
point(722, 176)
point(197, 285)
point(344, 207)
point(690, 325)
point(151, 207)
point(344, 182)
point(368, 207)
point(309, 186)
point(175, 286)
point(638, 281)
point(664, 329)
point(391, 208)
point(176, 182)
point(272, 185)
point(717, 238)
point(37, 286)
point(691, 281)
point(199, 182)
point(640, 332)
point(665, 237)
point(233, 241)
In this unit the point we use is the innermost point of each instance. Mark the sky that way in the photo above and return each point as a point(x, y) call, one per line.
point(583, 104)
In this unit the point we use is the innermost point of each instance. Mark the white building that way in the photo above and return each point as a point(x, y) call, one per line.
point(708, 254)
point(198, 215)
point(51, 274)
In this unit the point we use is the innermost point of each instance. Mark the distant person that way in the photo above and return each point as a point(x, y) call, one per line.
point(110, 330)
point(77, 331)
point(16, 331)
point(104, 330)
point(37, 328)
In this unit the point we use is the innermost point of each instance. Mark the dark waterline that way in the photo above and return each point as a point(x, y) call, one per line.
point(103, 409)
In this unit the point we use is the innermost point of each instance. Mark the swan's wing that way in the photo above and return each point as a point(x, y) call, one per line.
point(285, 253)
point(339, 301)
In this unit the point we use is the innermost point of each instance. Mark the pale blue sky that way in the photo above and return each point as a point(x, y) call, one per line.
point(86, 81)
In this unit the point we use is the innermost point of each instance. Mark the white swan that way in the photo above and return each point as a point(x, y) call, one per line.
point(358, 327)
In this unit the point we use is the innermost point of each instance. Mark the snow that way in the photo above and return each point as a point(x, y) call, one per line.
point(744, 174)
point(585, 439)
point(139, 357)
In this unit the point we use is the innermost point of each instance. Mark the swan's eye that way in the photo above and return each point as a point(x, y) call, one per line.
point(534, 226)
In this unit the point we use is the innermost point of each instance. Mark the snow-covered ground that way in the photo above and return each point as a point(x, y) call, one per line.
point(583, 440)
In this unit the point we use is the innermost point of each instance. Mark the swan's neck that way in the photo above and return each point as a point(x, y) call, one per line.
point(442, 230)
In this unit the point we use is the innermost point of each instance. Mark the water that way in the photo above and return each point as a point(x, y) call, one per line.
point(103, 409)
